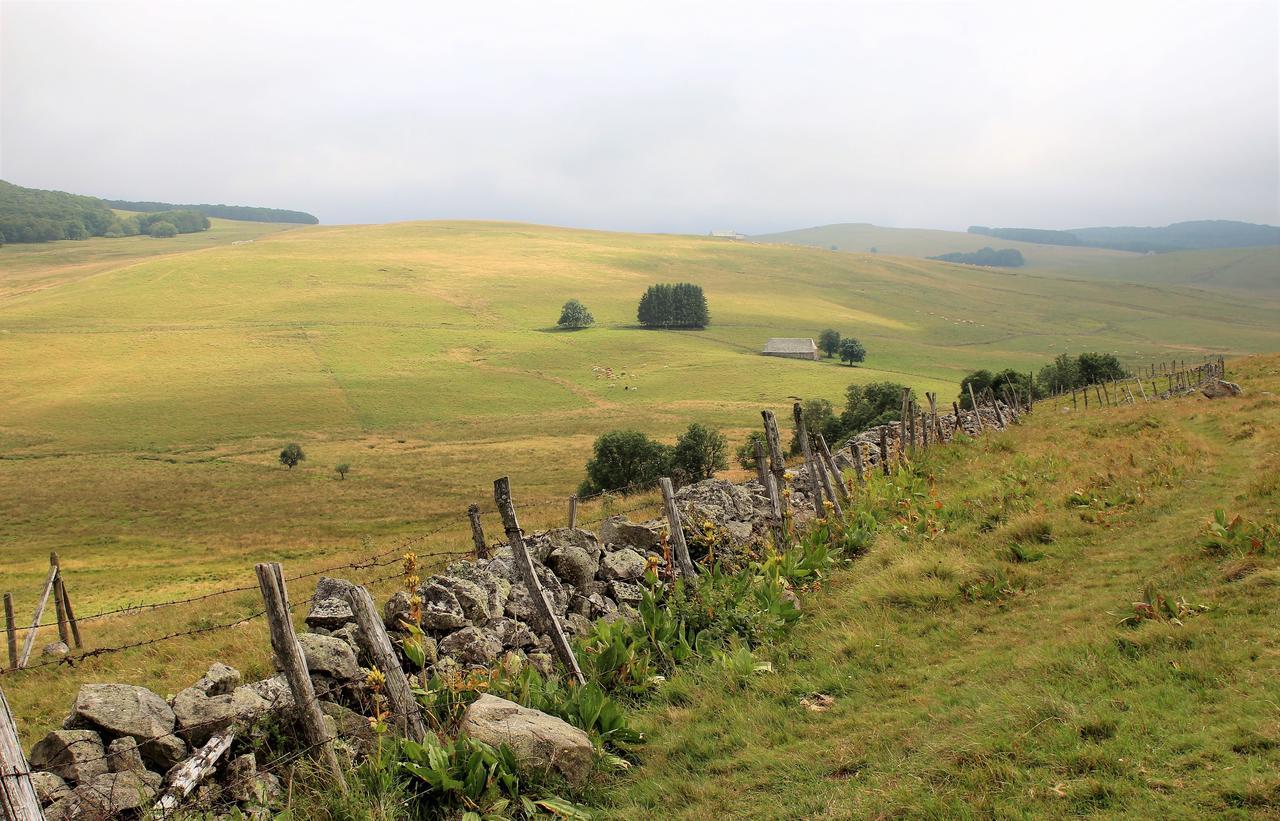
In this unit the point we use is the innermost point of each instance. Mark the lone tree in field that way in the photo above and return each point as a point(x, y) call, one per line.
point(575, 315)
point(700, 452)
point(292, 455)
point(679, 305)
point(342, 468)
point(851, 351)
point(829, 342)
point(625, 458)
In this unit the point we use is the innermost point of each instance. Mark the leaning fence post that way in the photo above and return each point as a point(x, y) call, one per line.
point(857, 460)
point(477, 532)
point(771, 492)
point(676, 530)
point(63, 633)
point(35, 621)
point(973, 403)
point(11, 631)
point(377, 646)
point(294, 665)
point(541, 604)
point(884, 451)
point(933, 412)
point(817, 473)
point(18, 800)
point(830, 462)
point(777, 461)
point(996, 405)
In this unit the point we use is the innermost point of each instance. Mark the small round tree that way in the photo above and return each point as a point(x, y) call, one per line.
point(342, 469)
point(851, 351)
point(829, 342)
point(292, 455)
point(700, 452)
point(163, 229)
point(575, 315)
point(747, 451)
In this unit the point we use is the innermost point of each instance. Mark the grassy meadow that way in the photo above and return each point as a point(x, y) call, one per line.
point(978, 667)
point(149, 385)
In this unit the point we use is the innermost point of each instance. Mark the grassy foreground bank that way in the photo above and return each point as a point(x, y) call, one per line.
point(974, 663)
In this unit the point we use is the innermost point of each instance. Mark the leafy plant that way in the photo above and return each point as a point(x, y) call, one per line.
point(1240, 537)
point(1157, 606)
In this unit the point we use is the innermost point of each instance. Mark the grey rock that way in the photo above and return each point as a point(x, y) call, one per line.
point(49, 787)
point(472, 598)
point(617, 530)
point(573, 564)
point(601, 606)
point(575, 624)
point(123, 709)
point(622, 565)
point(218, 680)
point(396, 610)
point(350, 633)
point(626, 593)
point(74, 755)
point(274, 691)
point(563, 537)
point(242, 774)
point(107, 796)
point(440, 608)
point(490, 577)
point(352, 727)
point(511, 633)
point(472, 645)
point(1219, 388)
point(329, 607)
point(329, 656)
point(542, 662)
point(123, 755)
point(164, 752)
point(200, 716)
point(56, 650)
point(539, 741)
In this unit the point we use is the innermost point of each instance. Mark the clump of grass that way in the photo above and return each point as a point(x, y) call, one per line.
point(1158, 606)
point(1024, 535)
point(923, 581)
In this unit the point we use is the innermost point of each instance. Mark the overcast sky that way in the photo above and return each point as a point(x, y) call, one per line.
point(687, 116)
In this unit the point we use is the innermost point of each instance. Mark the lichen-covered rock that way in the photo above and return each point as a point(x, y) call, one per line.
point(539, 741)
point(512, 634)
point(73, 755)
point(350, 633)
point(618, 530)
point(218, 680)
point(200, 716)
point(123, 755)
point(1219, 388)
point(122, 709)
point(622, 565)
point(584, 540)
point(491, 577)
point(573, 564)
point(274, 691)
point(329, 656)
point(396, 610)
point(542, 662)
point(56, 650)
point(440, 608)
point(520, 605)
point(472, 645)
point(575, 624)
point(107, 796)
point(352, 727)
point(329, 607)
point(49, 787)
point(472, 598)
point(626, 593)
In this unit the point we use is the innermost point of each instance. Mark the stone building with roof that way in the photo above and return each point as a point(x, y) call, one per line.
point(798, 348)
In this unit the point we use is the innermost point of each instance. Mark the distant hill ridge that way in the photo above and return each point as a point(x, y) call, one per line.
point(1180, 236)
point(246, 213)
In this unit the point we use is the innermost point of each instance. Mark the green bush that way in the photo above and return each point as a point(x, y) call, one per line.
point(746, 453)
point(575, 315)
point(699, 453)
point(624, 459)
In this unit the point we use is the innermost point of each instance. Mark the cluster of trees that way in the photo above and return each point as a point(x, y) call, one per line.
point(865, 406)
point(1043, 236)
point(628, 459)
point(33, 215)
point(851, 350)
point(1180, 236)
point(575, 315)
point(292, 454)
point(1064, 373)
point(244, 213)
point(674, 305)
point(1004, 258)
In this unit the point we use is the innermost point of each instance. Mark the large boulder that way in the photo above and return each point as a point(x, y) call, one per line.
point(200, 716)
point(574, 564)
point(107, 796)
point(563, 537)
point(472, 645)
point(122, 709)
point(329, 607)
point(472, 598)
point(622, 565)
point(491, 577)
point(329, 656)
point(617, 530)
point(74, 755)
point(539, 741)
point(1219, 388)
point(440, 608)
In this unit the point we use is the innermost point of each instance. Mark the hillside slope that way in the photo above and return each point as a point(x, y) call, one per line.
point(974, 663)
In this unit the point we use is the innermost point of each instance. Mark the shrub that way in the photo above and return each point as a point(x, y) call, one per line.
point(342, 468)
point(851, 350)
point(746, 453)
point(292, 455)
point(575, 315)
point(818, 418)
point(699, 453)
point(625, 458)
point(866, 406)
point(163, 229)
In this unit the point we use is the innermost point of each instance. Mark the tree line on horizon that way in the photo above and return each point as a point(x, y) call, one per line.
point(35, 215)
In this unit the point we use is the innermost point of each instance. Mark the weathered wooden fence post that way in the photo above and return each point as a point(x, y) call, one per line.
point(777, 460)
point(836, 475)
point(902, 426)
point(377, 646)
point(541, 604)
point(675, 530)
point(30, 641)
point(294, 665)
point(977, 415)
point(856, 447)
point(18, 800)
point(477, 532)
point(11, 631)
point(186, 776)
point(996, 406)
point(64, 634)
point(1142, 390)
point(573, 511)
point(817, 474)
point(777, 522)
point(933, 413)
point(884, 451)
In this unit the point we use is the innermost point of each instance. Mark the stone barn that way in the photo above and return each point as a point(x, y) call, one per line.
point(791, 348)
